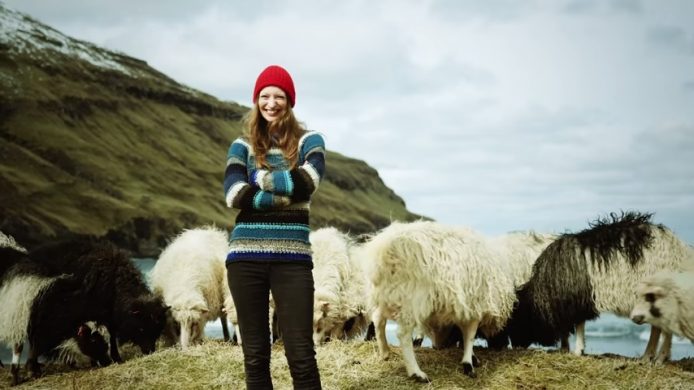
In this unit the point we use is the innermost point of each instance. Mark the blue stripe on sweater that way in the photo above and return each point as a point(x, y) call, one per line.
point(271, 234)
point(312, 141)
point(238, 256)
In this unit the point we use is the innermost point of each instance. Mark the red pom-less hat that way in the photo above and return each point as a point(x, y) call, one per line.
point(277, 76)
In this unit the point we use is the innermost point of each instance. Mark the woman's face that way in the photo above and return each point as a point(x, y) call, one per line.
point(272, 102)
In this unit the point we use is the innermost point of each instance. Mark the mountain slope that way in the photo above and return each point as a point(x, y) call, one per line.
point(97, 142)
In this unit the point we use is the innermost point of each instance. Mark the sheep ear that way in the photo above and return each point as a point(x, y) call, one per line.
point(82, 330)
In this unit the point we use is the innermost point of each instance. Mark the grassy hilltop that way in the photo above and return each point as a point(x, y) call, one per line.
point(97, 142)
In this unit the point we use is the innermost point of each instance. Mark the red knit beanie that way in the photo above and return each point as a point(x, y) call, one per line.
point(277, 76)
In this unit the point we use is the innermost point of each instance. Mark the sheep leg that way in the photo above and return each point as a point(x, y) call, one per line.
point(469, 330)
point(499, 341)
point(16, 354)
point(564, 343)
point(237, 333)
point(665, 348)
point(417, 340)
point(652, 346)
point(405, 336)
point(380, 328)
point(370, 332)
point(580, 339)
point(32, 363)
point(225, 326)
point(115, 356)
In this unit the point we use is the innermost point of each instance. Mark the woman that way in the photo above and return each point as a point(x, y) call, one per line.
point(271, 173)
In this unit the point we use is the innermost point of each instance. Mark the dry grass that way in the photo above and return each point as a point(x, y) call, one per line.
point(356, 366)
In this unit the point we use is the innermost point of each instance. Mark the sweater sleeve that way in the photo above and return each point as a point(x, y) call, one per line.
point(301, 182)
point(237, 192)
point(310, 173)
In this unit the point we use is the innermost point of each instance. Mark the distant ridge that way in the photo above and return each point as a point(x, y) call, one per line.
point(96, 142)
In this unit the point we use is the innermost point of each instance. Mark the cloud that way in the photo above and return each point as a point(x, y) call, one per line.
point(500, 115)
point(671, 38)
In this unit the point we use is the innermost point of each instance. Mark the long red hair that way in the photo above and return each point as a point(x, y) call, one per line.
point(258, 132)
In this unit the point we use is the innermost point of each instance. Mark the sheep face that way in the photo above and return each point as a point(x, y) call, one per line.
point(323, 322)
point(90, 344)
point(192, 319)
point(654, 306)
point(144, 323)
point(94, 341)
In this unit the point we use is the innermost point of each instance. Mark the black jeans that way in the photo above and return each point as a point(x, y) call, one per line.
point(292, 290)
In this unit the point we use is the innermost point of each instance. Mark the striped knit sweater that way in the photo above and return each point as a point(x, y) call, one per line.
point(274, 220)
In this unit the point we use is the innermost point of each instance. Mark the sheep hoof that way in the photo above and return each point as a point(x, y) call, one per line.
point(420, 379)
point(661, 360)
point(469, 370)
point(475, 361)
point(15, 376)
point(34, 368)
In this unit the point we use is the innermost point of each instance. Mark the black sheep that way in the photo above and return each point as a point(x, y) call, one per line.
point(131, 312)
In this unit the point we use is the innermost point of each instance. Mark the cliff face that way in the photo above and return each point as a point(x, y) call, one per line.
point(97, 142)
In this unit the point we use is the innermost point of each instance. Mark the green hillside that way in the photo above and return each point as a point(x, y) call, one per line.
point(97, 142)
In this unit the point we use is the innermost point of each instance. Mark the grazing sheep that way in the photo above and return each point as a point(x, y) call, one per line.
point(330, 268)
point(356, 310)
point(340, 297)
point(426, 275)
point(131, 312)
point(666, 300)
point(53, 314)
point(190, 277)
point(581, 275)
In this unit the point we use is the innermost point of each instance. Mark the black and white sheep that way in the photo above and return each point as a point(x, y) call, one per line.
point(190, 277)
point(581, 275)
point(426, 275)
point(666, 300)
point(130, 311)
point(52, 314)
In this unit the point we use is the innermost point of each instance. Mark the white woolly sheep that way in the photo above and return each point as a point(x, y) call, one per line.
point(190, 276)
point(330, 269)
point(666, 300)
point(597, 270)
point(355, 298)
point(520, 249)
point(426, 275)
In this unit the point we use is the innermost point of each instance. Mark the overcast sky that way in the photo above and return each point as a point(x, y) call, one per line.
point(499, 115)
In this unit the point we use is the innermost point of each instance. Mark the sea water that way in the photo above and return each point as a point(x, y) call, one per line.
point(607, 334)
